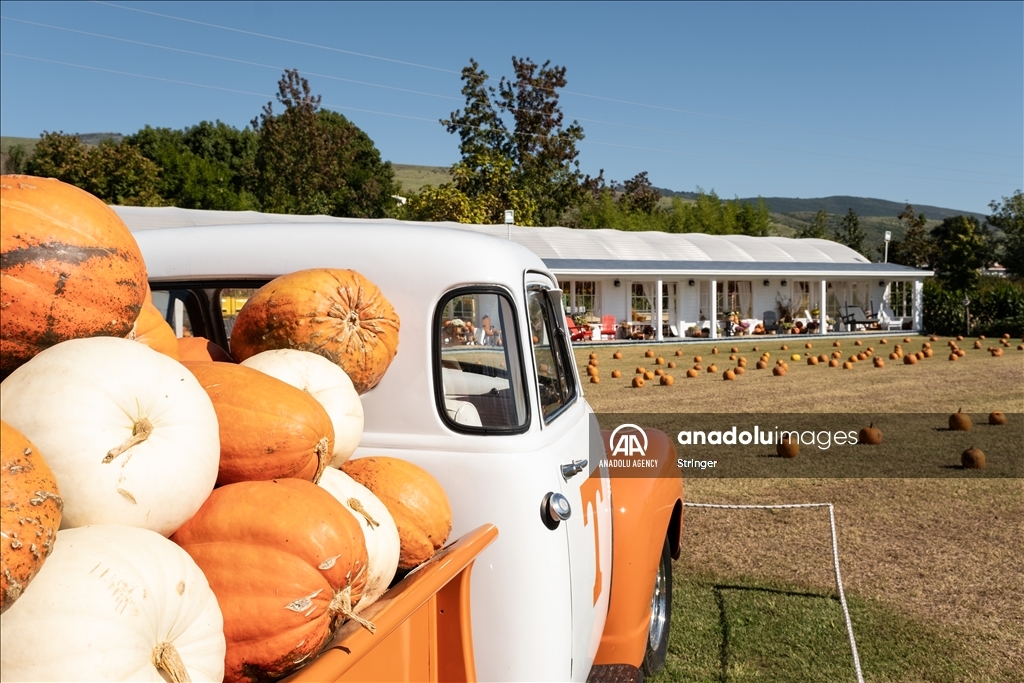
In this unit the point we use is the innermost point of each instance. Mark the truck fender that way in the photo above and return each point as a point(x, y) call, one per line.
point(645, 512)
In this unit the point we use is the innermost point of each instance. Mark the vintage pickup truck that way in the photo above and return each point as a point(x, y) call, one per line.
point(577, 582)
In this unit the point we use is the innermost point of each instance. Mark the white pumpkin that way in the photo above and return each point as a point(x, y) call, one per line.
point(327, 383)
point(110, 604)
point(129, 433)
point(379, 530)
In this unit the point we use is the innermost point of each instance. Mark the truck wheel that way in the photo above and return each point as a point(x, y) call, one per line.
point(661, 616)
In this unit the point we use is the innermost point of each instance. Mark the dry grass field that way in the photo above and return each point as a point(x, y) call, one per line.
point(942, 553)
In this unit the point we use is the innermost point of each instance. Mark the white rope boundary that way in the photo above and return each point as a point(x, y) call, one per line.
point(835, 561)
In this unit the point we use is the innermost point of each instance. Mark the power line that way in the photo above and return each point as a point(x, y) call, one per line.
point(448, 97)
point(567, 92)
point(431, 120)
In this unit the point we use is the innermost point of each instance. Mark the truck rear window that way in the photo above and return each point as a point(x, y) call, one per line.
point(479, 370)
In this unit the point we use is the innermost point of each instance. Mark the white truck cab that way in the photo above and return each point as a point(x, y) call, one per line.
point(484, 394)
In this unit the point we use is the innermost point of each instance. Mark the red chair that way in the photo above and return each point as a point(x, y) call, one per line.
point(609, 330)
point(576, 333)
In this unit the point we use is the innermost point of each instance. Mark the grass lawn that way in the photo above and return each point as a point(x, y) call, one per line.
point(931, 566)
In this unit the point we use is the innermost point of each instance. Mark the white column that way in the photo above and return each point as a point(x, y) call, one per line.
point(918, 304)
point(659, 303)
point(821, 308)
point(179, 318)
point(714, 309)
point(679, 309)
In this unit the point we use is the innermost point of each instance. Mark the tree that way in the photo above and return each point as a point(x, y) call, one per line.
point(639, 195)
point(818, 228)
point(116, 173)
point(15, 161)
point(310, 160)
point(542, 151)
point(753, 220)
point(850, 233)
point(961, 247)
point(1008, 216)
point(200, 167)
point(916, 249)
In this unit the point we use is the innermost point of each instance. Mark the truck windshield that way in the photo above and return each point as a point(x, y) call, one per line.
point(479, 371)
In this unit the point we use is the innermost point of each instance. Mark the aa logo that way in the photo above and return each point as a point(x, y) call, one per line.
point(629, 441)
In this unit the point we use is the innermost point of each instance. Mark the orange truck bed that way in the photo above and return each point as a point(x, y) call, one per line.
point(424, 632)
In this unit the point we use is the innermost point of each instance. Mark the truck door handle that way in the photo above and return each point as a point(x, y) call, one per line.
point(573, 468)
point(554, 509)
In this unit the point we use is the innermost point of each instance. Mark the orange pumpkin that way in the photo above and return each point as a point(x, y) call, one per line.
point(287, 563)
point(152, 330)
point(30, 512)
point(70, 268)
point(414, 498)
point(201, 349)
point(268, 428)
point(338, 314)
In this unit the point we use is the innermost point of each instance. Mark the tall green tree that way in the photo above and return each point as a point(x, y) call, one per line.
point(314, 161)
point(116, 173)
point(961, 250)
point(638, 194)
point(1008, 216)
point(850, 233)
point(916, 249)
point(15, 159)
point(818, 228)
point(539, 145)
point(753, 219)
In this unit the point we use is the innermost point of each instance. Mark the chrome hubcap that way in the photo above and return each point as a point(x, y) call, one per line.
point(659, 610)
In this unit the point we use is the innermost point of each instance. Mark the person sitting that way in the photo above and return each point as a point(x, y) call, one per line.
point(487, 335)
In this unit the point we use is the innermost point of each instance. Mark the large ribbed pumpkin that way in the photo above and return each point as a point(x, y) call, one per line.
point(338, 314)
point(30, 510)
point(152, 330)
point(379, 531)
point(327, 383)
point(129, 433)
point(268, 428)
point(416, 501)
point(69, 268)
point(115, 603)
point(287, 563)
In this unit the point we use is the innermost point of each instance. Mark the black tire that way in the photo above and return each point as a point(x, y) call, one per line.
point(661, 616)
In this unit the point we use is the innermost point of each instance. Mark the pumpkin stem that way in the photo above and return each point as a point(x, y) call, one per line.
point(342, 604)
point(140, 432)
point(323, 458)
point(358, 507)
point(166, 657)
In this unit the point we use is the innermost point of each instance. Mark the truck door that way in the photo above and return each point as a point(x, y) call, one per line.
point(565, 419)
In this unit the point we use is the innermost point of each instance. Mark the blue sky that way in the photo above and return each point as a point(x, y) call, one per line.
point(919, 101)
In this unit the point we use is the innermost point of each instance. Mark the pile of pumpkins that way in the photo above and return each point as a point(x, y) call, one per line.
point(211, 523)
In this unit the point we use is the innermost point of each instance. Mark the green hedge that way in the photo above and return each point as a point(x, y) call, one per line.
point(997, 307)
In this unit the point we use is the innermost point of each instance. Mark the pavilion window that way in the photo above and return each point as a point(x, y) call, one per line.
point(705, 299)
point(901, 298)
point(802, 296)
point(579, 296)
point(668, 300)
point(642, 301)
point(735, 295)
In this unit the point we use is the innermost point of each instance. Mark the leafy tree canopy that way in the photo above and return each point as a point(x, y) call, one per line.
point(1008, 216)
point(850, 233)
point(961, 249)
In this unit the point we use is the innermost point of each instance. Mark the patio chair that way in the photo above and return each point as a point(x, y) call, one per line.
point(887, 319)
point(771, 322)
point(576, 333)
point(853, 316)
point(609, 328)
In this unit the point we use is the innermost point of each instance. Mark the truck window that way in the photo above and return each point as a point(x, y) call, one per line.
point(231, 302)
point(478, 366)
point(174, 305)
point(551, 355)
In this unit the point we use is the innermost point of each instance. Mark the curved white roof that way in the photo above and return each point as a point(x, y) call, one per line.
point(577, 250)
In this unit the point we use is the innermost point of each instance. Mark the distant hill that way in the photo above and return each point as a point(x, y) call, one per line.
point(863, 206)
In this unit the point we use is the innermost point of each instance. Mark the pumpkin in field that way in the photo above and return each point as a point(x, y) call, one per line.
point(659, 361)
point(712, 368)
point(847, 365)
point(202, 349)
point(287, 563)
point(822, 358)
point(972, 459)
point(729, 375)
point(879, 363)
point(692, 372)
point(591, 371)
point(761, 365)
point(638, 382)
point(640, 370)
point(649, 354)
point(679, 352)
point(658, 372)
point(115, 603)
point(779, 371)
point(379, 531)
point(671, 364)
point(648, 375)
point(667, 381)
point(594, 379)
point(70, 268)
point(268, 428)
point(338, 314)
point(788, 447)
point(910, 359)
point(152, 330)
point(593, 362)
point(996, 418)
point(329, 385)
point(812, 360)
point(30, 510)
point(617, 355)
point(953, 356)
point(833, 363)
point(414, 498)
point(129, 433)
point(960, 421)
point(870, 435)
point(616, 374)
point(714, 351)
point(739, 370)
